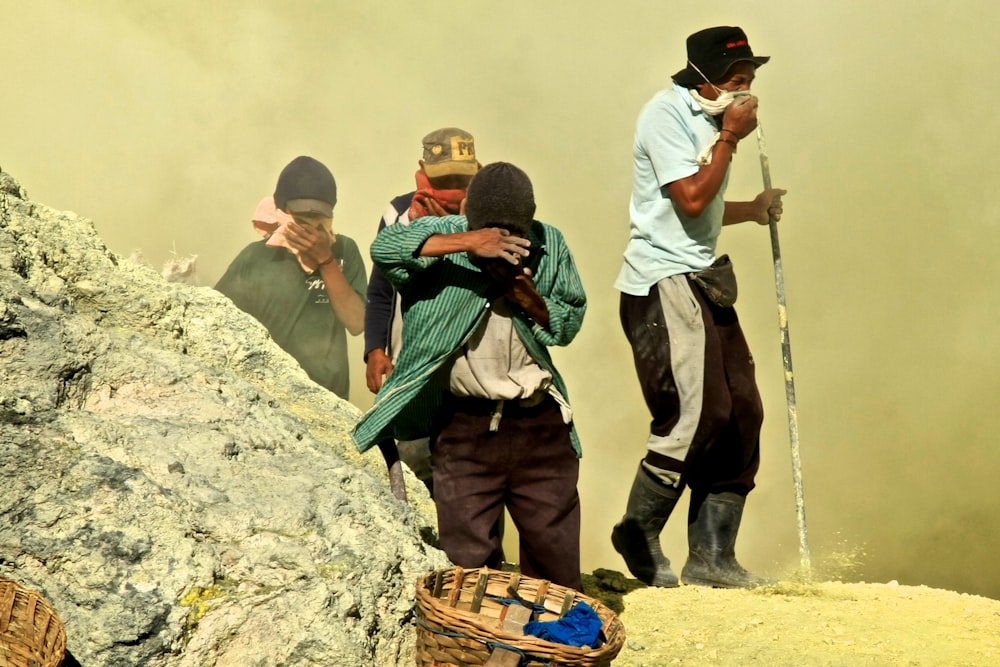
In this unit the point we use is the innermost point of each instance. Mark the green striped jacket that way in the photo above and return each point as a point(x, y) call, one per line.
point(444, 299)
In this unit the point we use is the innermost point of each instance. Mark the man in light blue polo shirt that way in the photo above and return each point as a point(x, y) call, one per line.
point(693, 363)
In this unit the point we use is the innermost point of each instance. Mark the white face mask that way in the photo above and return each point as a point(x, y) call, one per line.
point(719, 104)
point(724, 97)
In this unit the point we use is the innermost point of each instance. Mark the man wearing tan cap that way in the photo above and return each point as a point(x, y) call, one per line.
point(448, 164)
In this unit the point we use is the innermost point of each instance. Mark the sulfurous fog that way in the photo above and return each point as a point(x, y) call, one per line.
point(165, 124)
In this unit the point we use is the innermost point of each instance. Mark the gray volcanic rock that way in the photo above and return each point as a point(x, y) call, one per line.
point(174, 483)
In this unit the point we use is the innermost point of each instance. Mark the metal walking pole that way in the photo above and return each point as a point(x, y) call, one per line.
point(786, 357)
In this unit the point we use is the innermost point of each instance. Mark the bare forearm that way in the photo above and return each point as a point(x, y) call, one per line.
point(693, 194)
point(739, 211)
point(521, 290)
point(765, 207)
point(486, 242)
point(346, 303)
point(440, 245)
point(538, 311)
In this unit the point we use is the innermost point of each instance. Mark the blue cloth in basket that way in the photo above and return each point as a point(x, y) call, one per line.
point(581, 626)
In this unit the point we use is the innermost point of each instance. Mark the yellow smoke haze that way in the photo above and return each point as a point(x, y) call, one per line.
point(166, 123)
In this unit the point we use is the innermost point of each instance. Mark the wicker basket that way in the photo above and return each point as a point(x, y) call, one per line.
point(31, 634)
point(460, 614)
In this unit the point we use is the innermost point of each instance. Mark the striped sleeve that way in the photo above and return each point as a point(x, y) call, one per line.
point(558, 281)
point(395, 250)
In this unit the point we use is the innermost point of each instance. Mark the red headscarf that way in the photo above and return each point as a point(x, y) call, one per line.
point(450, 200)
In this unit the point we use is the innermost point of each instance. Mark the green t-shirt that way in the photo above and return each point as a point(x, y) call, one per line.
point(269, 283)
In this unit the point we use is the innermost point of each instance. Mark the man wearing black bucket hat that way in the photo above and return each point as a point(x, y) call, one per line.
point(676, 308)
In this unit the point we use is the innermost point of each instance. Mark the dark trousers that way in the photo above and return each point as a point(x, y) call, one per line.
point(528, 465)
point(721, 450)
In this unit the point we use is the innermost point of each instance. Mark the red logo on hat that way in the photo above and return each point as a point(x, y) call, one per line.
point(733, 45)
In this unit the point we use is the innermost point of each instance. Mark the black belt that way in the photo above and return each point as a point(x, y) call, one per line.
point(473, 405)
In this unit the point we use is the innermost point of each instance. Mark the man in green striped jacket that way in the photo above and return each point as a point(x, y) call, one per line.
point(483, 297)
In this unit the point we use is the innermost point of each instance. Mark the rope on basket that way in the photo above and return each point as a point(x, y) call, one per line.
point(535, 608)
point(490, 645)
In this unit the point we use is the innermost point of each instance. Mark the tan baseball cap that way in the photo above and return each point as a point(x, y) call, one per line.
point(449, 151)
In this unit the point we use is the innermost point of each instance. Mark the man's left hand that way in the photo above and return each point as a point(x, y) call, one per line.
point(520, 288)
point(767, 206)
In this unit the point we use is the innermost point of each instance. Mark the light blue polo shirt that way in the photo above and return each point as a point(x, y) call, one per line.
point(670, 133)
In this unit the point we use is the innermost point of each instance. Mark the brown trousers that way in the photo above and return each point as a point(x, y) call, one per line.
point(528, 465)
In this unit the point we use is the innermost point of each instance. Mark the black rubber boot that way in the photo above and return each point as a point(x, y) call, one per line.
point(637, 536)
point(712, 527)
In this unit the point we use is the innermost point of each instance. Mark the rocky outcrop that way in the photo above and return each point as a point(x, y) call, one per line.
point(172, 481)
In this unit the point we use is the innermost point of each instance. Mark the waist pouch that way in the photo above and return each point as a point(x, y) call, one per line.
point(717, 282)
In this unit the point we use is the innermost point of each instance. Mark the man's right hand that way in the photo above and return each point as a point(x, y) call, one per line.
point(434, 208)
point(488, 242)
point(740, 117)
point(378, 368)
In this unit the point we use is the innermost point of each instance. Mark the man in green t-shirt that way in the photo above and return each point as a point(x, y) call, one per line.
point(303, 282)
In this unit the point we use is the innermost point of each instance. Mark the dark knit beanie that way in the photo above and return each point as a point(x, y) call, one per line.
point(500, 195)
point(305, 178)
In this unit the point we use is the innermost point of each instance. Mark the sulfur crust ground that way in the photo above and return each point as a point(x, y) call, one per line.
point(809, 624)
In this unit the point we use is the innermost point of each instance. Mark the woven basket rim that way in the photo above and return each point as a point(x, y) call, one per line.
point(48, 647)
point(485, 630)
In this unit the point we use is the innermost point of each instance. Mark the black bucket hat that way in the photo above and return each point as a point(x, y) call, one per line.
point(713, 51)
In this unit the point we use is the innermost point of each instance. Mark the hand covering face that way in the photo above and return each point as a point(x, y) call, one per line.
point(271, 223)
point(449, 200)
